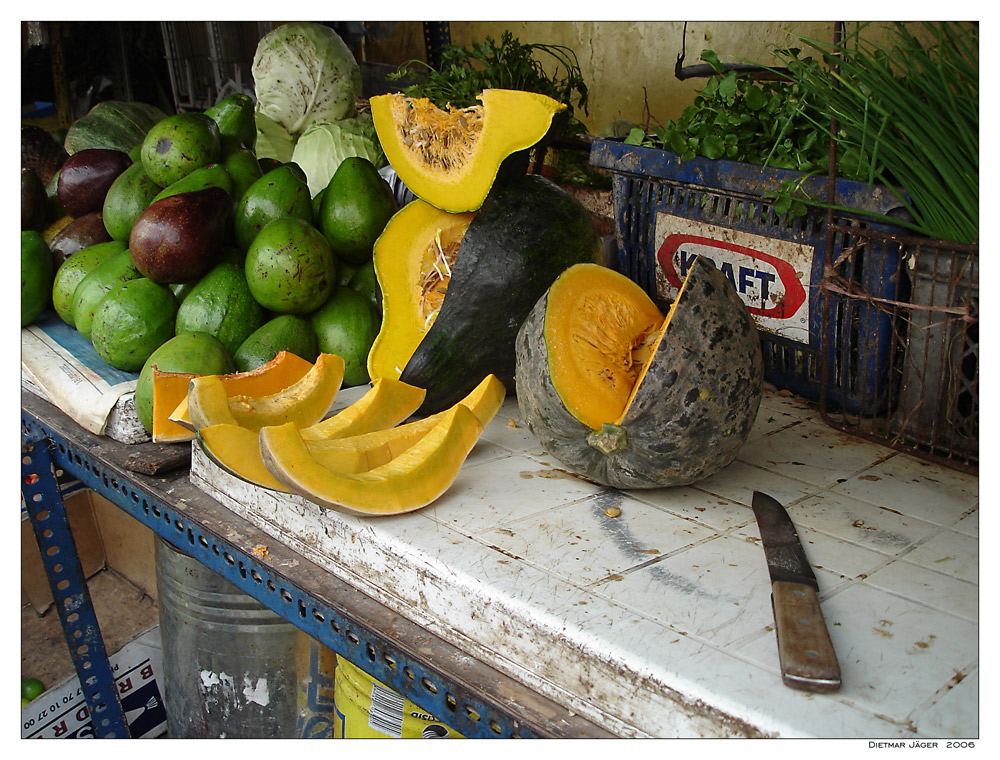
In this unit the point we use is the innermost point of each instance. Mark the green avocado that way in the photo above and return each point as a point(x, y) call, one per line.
point(290, 268)
point(92, 289)
point(134, 319)
point(221, 305)
point(127, 197)
point(179, 144)
point(346, 325)
point(213, 175)
point(72, 271)
point(356, 205)
point(37, 269)
point(244, 169)
point(194, 352)
point(282, 192)
point(286, 332)
point(234, 116)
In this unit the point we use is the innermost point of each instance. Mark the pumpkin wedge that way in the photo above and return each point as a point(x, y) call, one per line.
point(414, 479)
point(169, 390)
point(304, 402)
point(450, 157)
point(283, 370)
point(386, 403)
point(234, 448)
point(631, 399)
point(413, 259)
point(359, 453)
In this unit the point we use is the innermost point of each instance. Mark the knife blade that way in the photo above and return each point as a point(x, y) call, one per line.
point(805, 652)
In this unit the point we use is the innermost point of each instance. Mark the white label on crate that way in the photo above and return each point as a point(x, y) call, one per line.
point(771, 276)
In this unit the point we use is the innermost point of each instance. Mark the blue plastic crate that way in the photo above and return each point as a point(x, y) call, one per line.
point(668, 210)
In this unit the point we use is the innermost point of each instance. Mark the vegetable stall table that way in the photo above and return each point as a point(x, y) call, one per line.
point(529, 602)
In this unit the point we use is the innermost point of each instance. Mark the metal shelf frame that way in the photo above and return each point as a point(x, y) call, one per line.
point(474, 698)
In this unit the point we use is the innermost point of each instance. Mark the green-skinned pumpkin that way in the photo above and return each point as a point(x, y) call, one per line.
point(447, 324)
point(629, 398)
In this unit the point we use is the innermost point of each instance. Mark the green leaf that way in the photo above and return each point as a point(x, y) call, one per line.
point(710, 57)
point(635, 136)
point(727, 85)
point(713, 147)
point(755, 98)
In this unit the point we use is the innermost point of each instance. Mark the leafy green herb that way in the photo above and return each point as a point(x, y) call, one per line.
point(465, 72)
point(911, 111)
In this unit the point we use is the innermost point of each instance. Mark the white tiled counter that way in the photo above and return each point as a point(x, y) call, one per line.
point(658, 621)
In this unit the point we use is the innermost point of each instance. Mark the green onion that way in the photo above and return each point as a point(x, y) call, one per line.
point(914, 110)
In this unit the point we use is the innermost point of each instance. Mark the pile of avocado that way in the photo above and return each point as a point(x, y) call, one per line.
point(189, 253)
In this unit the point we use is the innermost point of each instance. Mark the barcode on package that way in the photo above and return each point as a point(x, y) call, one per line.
point(386, 713)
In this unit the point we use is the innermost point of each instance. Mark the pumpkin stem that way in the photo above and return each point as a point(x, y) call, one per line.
point(609, 439)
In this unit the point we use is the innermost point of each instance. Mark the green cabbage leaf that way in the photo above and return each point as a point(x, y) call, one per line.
point(325, 144)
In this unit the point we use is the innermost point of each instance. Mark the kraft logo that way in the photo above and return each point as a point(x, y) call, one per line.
point(769, 284)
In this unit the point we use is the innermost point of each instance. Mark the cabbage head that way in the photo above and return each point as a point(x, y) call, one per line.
point(303, 73)
point(325, 144)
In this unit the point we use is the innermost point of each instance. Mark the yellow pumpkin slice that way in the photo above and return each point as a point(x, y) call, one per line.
point(414, 479)
point(413, 259)
point(450, 157)
point(208, 402)
point(303, 403)
point(387, 403)
point(283, 370)
point(360, 453)
point(169, 390)
point(234, 448)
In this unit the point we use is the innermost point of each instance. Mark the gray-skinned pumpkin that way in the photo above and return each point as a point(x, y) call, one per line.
point(629, 398)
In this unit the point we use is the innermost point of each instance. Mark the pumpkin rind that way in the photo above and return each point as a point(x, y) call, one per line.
point(450, 158)
point(693, 405)
point(526, 234)
point(410, 481)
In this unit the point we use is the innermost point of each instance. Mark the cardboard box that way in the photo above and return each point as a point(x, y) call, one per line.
point(105, 537)
point(62, 713)
point(89, 546)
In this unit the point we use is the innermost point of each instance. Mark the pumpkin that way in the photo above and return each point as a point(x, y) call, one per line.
point(412, 480)
point(236, 449)
point(359, 453)
point(628, 398)
point(450, 157)
point(527, 232)
point(413, 259)
point(384, 405)
point(270, 377)
point(304, 402)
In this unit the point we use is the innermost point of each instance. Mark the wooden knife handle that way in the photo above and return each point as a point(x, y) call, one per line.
point(808, 661)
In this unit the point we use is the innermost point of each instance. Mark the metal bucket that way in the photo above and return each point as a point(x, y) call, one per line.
point(231, 667)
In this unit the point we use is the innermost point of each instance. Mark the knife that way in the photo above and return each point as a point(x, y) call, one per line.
point(805, 652)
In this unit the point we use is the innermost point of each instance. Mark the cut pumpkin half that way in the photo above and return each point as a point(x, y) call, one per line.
point(234, 448)
point(450, 157)
point(169, 390)
point(412, 480)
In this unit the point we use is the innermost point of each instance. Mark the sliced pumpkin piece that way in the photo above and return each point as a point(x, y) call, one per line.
point(412, 480)
point(359, 453)
point(387, 403)
point(169, 389)
point(450, 157)
point(303, 403)
point(413, 258)
point(208, 402)
point(234, 448)
point(283, 370)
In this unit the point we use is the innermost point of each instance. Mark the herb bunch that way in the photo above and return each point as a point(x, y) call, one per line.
point(511, 64)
